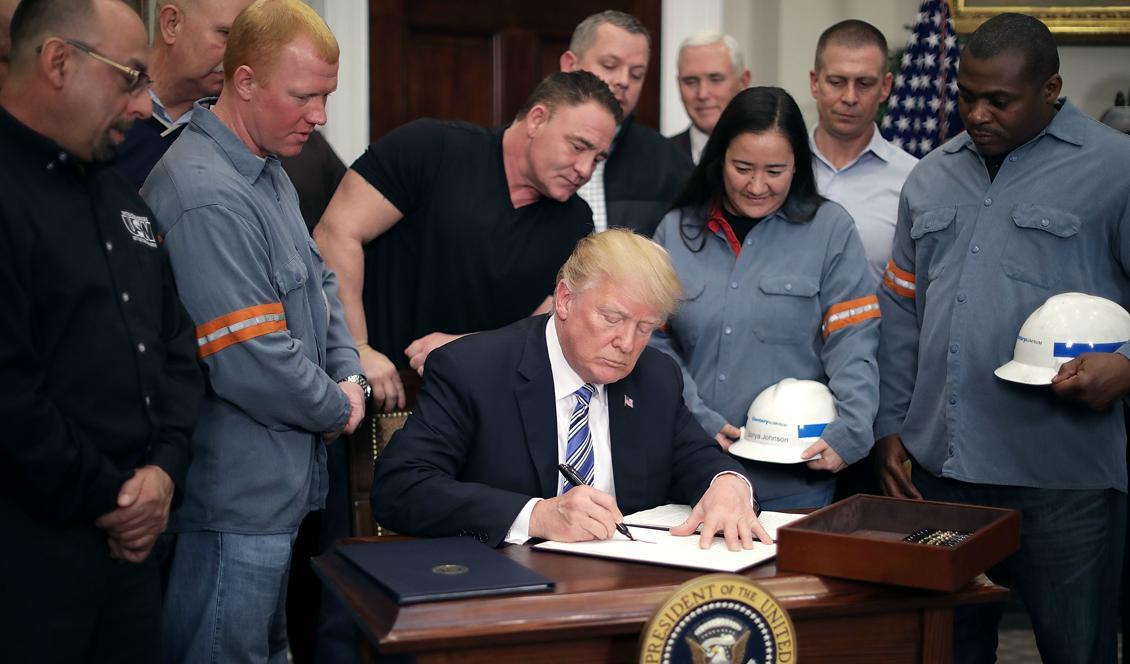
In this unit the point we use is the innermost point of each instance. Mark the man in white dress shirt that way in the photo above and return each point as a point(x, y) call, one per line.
point(855, 166)
point(711, 70)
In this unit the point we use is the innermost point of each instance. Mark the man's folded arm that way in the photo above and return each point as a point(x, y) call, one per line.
point(49, 464)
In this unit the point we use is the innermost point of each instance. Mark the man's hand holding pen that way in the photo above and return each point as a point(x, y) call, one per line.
point(584, 513)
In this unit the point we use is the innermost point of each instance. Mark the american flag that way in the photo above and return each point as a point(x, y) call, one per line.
point(922, 109)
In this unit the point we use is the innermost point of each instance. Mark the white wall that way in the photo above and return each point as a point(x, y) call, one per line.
point(779, 37)
point(347, 128)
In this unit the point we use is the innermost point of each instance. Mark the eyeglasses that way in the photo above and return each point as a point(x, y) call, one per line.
point(137, 80)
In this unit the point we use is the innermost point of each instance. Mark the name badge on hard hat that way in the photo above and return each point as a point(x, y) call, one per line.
point(1062, 328)
point(784, 420)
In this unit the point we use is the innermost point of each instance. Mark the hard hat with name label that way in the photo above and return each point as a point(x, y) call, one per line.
point(1063, 328)
point(784, 420)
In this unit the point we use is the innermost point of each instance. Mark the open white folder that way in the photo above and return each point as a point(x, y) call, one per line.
point(657, 546)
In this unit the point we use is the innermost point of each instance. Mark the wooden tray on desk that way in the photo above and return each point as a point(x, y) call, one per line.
point(861, 538)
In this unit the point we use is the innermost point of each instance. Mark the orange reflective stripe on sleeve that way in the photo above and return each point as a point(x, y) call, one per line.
point(239, 326)
point(848, 313)
point(898, 280)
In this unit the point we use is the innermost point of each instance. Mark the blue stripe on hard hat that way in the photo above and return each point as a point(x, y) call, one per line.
point(1076, 349)
point(809, 430)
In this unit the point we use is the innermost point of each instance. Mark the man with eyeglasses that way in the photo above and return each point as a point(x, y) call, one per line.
point(97, 356)
point(187, 65)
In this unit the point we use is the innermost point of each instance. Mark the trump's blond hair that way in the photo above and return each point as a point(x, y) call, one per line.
point(629, 261)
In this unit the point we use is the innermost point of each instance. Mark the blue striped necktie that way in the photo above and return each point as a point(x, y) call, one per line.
point(578, 452)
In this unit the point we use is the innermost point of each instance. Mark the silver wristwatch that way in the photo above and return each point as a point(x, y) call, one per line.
point(359, 379)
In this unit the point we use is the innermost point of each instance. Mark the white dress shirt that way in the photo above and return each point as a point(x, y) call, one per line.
point(698, 142)
point(565, 383)
point(868, 187)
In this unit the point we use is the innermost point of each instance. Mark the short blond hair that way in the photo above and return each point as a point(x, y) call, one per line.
point(266, 27)
point(630, 261)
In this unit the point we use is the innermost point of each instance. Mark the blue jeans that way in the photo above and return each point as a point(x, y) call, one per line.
point(1066, 572)
point(226, 599)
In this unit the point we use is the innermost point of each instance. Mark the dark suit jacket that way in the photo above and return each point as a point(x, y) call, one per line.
point(683, 142)
point(642, 177)
point(483, 439)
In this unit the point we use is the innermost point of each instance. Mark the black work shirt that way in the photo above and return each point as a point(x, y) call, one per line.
point(462, 258)
point(97, 357)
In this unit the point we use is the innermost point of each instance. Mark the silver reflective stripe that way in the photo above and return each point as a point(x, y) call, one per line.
point(908, 285)
point(236, 327)
point(848, 314)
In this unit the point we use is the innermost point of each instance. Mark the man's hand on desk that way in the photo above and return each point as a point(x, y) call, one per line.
point(1095, 379)
point(418, 350)
point(581, 514)
point(141, 515)
point(388, 390)
point(725, 508)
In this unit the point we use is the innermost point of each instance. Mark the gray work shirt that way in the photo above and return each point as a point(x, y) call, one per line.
point(971, 260)
point(270, 332)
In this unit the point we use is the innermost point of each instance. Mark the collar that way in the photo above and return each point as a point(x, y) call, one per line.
point(161, 115)
point(40, 148)
point(698, 140)
point(878, 146)
point(565, 379)
point(717, 223)
point(1069, 125)
point(246, 162)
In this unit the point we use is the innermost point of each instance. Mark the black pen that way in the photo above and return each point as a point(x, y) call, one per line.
point(573, 478)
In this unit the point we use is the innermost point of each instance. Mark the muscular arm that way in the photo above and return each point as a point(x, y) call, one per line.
point(356, 215)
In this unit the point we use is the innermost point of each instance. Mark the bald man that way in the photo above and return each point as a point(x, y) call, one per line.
point(187, 65)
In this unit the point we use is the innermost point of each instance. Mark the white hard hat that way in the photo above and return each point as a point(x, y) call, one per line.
point(785, 419)
point(1064, 327)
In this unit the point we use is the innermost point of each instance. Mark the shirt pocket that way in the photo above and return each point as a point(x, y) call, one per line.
point(290, 275)
point(933, 234)
point(787, 311)
point(1037, 249)
point(694, 317)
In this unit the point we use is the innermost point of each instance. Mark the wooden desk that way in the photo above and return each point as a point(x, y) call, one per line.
point(599, 608)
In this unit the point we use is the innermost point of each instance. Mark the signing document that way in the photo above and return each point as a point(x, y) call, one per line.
point(655, 545)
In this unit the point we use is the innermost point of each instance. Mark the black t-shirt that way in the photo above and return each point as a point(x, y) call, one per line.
point(461, 259)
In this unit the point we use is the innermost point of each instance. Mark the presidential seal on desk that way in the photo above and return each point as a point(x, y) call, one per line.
point(719, 619)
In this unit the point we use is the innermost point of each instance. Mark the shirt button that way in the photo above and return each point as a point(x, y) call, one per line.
point(147, 400)
point(141, 348)
point(788, 287)
point(953, 401)
point(954, 348)
point(1012, 158)
point(109, 246)
point(961, 297)
point(125, 296)
point(733, 284)
point(722, 377)
point(988, 202)
point(50, 165)
point(749, 243)
point(976, 249)
point(62, 156)
point(1044, 223)
point(728, 330)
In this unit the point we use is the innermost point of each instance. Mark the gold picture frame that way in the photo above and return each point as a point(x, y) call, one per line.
point(1084, 22)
